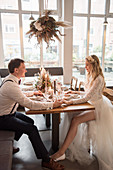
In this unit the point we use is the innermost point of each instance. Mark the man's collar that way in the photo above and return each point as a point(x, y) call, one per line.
point(14, 78)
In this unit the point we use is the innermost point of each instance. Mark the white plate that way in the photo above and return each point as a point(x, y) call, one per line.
point(27, 88)
point(29, 83)
point(72, 96)
point(64, 88)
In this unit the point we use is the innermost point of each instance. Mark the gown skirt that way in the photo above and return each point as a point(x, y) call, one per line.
point(96, 136)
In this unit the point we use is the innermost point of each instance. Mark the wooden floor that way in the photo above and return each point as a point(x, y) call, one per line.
point(26, 159)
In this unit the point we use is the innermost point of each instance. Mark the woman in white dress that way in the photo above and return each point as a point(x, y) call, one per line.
point(89, 129)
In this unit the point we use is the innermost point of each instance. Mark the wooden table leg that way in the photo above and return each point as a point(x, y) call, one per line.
point(55, 131)
point(48, 120)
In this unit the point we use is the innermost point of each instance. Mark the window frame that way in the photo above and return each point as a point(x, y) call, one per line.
point(57, 12)
point(89, 15)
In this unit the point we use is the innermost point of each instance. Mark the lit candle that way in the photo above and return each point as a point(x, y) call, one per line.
point(45, 83)
point(50, 91)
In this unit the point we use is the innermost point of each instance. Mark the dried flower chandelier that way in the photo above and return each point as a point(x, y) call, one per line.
point(46, 28)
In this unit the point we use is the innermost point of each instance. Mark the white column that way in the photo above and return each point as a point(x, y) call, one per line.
point(21, 30)
point(1, 46)
point(68, 40)
point(41, 10)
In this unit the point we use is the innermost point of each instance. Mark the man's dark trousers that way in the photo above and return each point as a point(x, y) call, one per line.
point(22, 124)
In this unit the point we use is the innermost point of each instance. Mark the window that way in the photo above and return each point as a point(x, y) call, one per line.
point(31, 49)
point(111, 6)
point(9, 28)
point(15, 25)
point(80, 6)
point(12, 4)
point(11, 36)
point(108, 60)
point(30, 5)
point(79, 43)
point(51, 4)
point(97, 38)
point(91, 31)
point(98, 6)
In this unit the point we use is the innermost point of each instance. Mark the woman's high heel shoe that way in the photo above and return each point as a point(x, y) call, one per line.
point(60, 158)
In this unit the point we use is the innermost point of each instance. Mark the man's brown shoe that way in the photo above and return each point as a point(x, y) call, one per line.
point(15, 150)
point(52, 165)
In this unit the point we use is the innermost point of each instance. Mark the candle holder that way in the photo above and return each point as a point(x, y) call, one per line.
point(54, 86)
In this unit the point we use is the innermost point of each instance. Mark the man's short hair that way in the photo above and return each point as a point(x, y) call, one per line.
point(14, 63)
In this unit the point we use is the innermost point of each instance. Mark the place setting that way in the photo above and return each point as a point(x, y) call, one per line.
point(45, 89)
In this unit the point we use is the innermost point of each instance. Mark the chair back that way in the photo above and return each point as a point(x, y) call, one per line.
point(74, 86)
point(108, 93)
point(0, 80)
point(80, 84)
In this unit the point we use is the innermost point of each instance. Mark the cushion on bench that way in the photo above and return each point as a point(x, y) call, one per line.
point(6, 155)
point(6, 135)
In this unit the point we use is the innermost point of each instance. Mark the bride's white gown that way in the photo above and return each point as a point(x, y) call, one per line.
point(96, 135)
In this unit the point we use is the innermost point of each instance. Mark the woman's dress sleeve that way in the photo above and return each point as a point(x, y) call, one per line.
point(90, 92)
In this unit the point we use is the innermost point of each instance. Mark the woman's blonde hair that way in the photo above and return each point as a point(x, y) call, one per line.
point(96, 69)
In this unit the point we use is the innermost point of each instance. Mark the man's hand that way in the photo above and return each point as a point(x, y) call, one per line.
point(38, 93)
point(57, 103)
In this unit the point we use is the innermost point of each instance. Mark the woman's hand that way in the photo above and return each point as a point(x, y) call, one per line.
point(57, 103)
point(73, 92)
point(67, 102)
point(70, 91)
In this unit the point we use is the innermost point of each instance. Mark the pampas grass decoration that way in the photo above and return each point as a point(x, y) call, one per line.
point(46, 28)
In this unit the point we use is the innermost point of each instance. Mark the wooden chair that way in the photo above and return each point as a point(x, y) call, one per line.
point(73, 86)
point(80, 84)
point(0, 80)
point(108, 93)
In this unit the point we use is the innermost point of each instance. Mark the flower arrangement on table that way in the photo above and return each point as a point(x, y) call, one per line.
point(45, 28)
point(43, 80)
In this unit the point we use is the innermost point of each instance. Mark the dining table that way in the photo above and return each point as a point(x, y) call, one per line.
point(56, 118)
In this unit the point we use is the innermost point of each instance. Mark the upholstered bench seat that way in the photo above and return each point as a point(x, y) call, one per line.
point(6, 135)
point(6, 149)
point(5, 155)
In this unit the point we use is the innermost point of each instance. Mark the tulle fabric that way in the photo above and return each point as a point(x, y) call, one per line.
point(95, 135)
